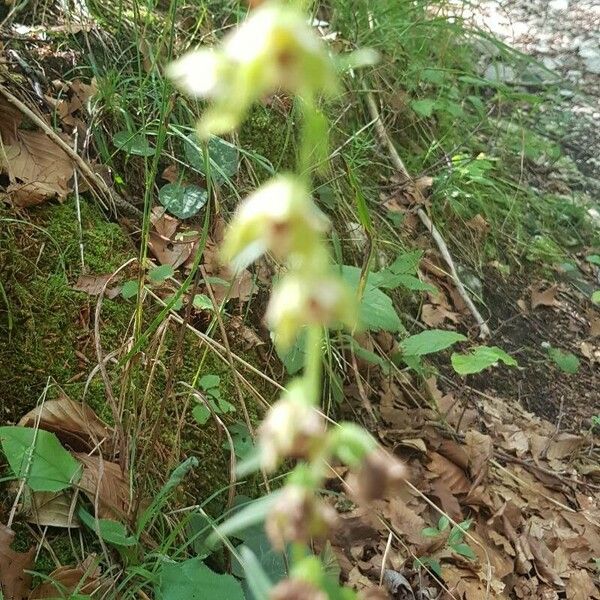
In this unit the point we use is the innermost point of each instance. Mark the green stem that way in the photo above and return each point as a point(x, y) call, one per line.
point(313, 363)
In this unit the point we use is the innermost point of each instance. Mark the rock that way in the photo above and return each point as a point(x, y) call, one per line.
point(558, 4)
point(500, 72)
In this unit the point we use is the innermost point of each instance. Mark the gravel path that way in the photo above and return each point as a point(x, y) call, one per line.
point(564, 35)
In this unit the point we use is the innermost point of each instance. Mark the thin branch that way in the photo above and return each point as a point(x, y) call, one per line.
point(94, 180)
point(484, 330)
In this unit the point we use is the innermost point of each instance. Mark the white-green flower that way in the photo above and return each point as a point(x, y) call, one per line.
point(291, 429)
point(303, 299)
point(273, 49)
point(279, 217)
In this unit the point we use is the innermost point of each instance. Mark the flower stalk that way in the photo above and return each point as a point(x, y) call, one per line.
point(274, 50)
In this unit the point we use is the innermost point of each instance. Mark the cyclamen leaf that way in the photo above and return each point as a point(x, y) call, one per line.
point(133, 143)
point(432, 340)
point(38, 457)
point(480, 358)
point(183, 201)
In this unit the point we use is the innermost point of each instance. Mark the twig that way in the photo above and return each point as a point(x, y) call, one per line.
point(484, 330)
point(94, 180)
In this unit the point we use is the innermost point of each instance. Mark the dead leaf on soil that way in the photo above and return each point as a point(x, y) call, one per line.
point(449, 473)
point(65, 581)
point(105, 482)
point(94, 284)
point(170, 241)
point(37, 169)
point(544, 297)
point(478, 225)
point(581, 586)
point(49, 509)
point(76, 425)
point(14, 582)
point(563, 445)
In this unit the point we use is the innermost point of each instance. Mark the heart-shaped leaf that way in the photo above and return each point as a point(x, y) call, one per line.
point(133, 143)
point(183, 201)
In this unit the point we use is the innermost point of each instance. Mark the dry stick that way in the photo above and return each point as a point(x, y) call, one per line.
point(92, 178)
point(484, 330)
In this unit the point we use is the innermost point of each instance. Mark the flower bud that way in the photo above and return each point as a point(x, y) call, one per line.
point(279, 217)
point(203, 73)
point(291, 429)
point(379, 476)
point(300, 300)
point(299, 516)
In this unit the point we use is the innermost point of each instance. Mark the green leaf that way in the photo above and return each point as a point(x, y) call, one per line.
point(376, 311)
point(38, 457)
point(225, 406)
point(193, 580)
point(112, 532)
point(443, 523)
point(596, 297)
point(249, 515)
point(207, 382)
point(177, 304)
point(258, 581)
point(271, 561)
point(565, 361)
point(159, 274)
point(242, 440)
point(480, 358)
point(430, 563)
point(593, 259)
point(129, 289)
point(391, 281)
point(293, 357)
point(133, 143)
point(423, 107)
point(223, 156)
point(464, 550)
point(201, 413)
point(202, 302)
point(183, 201)
point(430, 532)
point(432, 340)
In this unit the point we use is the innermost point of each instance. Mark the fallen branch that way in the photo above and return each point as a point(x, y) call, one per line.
point(484, 330)
point(93, 180)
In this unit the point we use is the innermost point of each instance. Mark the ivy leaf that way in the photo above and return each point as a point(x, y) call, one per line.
point(565, 361)
point(38, 457)
point(129, 289)
point(480, 358)
point(133, 143)
point(202, 302)
point(110, 531)
point(193, 580)
point(159, 274)
point(464, 550)
point(207, 382)
point(183, 201)
point(423, 107)
point(432, 340)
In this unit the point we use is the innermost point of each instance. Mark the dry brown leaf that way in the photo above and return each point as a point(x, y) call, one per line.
point(169, 241)
point(435, 314)
point(563, 445)
point(76, 425)
point(449, 473)
point(543, 561)
point(64, 581)
point(544, 297)
point(37, 169)
point(480, 449)
point(14, 581)
point(94, 284)
point(404, 520)
point(50, 509)
point(581, 586)
point(478, 225)
point(105, 482)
